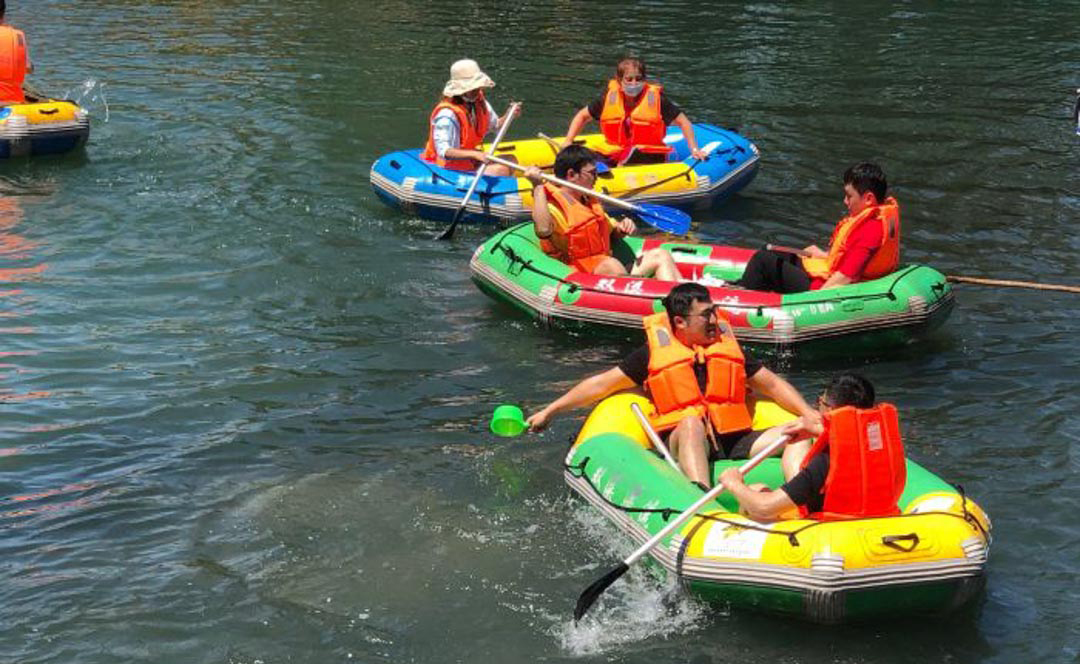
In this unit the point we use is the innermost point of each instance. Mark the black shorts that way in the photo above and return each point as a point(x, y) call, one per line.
point(734, 445)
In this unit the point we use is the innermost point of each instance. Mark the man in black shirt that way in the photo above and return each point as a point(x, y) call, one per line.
point(804, 489)
point(695, 323)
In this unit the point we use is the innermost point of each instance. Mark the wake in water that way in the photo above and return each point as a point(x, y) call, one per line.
point(638, 607)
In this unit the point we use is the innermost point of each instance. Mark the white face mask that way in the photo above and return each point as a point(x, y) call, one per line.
point(632, 89)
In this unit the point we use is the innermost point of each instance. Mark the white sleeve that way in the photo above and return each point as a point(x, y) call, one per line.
point(493, 126)
point(445, 134)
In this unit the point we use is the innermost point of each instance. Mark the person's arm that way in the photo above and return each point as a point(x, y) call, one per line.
point(590, 390)
point(446, 135)
point(506, 117)
point(787, 397)
point(543, 222)
point(862, 245)
point(622, 227)
point(758, 505)
point(688, 131)
point(814, 251)
point(835, 280)
point(576, 124)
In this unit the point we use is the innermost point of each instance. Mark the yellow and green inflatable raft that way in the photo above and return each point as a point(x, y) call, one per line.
point(928, 560)
point(45, 126)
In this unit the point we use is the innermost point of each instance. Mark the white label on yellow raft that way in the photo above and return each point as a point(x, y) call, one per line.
point(733, 542)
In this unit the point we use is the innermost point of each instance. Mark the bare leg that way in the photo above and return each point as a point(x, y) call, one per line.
point(610, 267)
point(656, 263)
point(688, 444)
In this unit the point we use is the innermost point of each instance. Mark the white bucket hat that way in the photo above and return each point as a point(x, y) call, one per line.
point(465, 76)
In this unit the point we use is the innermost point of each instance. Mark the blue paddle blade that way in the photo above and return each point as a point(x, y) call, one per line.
point(668, 219)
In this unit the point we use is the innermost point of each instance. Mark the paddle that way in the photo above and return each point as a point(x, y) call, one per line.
point(651, 433)
point(959, 279)
point(787, 250)
point(449, 232)
point(1012, 284)
point(667, 219)
point(588, 597)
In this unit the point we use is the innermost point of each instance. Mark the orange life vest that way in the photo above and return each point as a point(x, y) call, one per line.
point(12, 64)
point(884, 261)
point(867, 470)
point(643, 130)
point(587, 232)
point(472, 135)
point(673, 385)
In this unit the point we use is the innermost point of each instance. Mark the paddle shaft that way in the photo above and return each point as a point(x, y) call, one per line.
point(1012, 284)
point(480, 171)
point(701, 502)
point(618, 202)
point(788, 250)
point(651, 433)
point(959, 279)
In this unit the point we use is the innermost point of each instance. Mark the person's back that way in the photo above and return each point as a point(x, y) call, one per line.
point(13, 61)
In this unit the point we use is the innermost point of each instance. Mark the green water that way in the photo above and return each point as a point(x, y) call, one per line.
point(245, 403)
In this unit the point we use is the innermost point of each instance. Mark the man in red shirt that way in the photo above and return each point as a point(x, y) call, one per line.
point(865, 244)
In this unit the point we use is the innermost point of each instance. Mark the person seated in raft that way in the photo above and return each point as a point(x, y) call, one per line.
point(461, 120)
point(865, 244)
point(696, 376)
point(856, 467)
point(14, 61)
point(634, 116)
point(574, 228)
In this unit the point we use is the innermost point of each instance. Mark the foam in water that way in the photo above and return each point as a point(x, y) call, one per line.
point(635, 608)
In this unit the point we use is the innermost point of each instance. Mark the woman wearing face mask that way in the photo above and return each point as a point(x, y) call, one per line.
point(634, 116)
point(461, 120)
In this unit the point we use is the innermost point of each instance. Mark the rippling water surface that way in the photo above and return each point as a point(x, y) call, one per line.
point(244, 402)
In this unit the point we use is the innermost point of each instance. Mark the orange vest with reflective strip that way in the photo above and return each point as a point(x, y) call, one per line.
point(867, 470)
point(884, 261)
point(645, 129)
point(12, 64)
point(587, 232)
point(673, 385)
point(471, 135)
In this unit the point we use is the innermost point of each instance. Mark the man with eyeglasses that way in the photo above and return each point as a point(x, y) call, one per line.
point(696, 376)
point(574, 228)
point(855, 469)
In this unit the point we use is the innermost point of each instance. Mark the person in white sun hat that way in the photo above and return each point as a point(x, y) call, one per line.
point(461, 119)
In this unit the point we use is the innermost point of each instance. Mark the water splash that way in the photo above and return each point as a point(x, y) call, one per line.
point(89, 94)
point(638, 607)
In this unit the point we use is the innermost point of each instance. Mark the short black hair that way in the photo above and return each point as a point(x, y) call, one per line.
point(850, 389)
point(682, 297)
point(866, 176)
point(573, 158)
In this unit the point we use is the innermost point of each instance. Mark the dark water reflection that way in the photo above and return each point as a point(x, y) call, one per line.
point(245, 401)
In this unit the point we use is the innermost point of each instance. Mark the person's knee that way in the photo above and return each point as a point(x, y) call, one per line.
point(610, 266)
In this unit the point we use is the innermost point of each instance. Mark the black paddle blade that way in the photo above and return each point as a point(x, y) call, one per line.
point(596, 589)
point(449, 232)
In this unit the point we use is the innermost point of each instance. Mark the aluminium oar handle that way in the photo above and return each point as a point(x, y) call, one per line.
point(449, 232)
point(651, 433)
point(618, 202)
